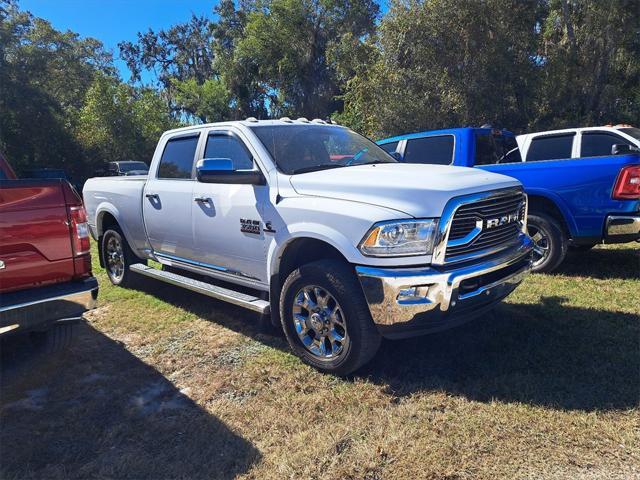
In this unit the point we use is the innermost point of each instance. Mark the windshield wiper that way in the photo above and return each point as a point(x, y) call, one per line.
point(315, 168)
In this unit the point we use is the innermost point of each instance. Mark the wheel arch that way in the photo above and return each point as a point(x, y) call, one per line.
point(296, 252)
point(544, 203)
point(108, 218)
point(105, 219)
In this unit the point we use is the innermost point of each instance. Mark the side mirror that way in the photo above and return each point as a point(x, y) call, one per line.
point(397, 156)
point(620, 149)
point(220, 170)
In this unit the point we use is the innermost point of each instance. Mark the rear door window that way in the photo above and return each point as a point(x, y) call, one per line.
point(598, 144)
point(434, 150)
point(552, 147)
point(177, 159)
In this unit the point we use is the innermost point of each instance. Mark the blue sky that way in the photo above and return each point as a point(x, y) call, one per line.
point(113, 21)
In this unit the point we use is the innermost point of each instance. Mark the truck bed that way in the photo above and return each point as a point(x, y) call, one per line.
point(125, 195)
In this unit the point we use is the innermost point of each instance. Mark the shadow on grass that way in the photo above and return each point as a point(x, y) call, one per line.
point(622, 263)
point(97, 411)
point(547, 354)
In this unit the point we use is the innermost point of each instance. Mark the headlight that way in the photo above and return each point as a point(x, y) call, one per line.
point(398, 238)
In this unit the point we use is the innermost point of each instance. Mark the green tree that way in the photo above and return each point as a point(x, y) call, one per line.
point(119, 122)
point(44, 75)
point(447, 63)
point(248, 93)
point(590, 55)
point(291, 46)
point(182, 60)
point(209, 101)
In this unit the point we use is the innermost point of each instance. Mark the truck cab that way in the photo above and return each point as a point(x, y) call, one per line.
point(583, 184)
point(316, 227)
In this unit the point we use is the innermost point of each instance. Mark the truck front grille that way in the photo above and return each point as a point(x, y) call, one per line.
point(486, 226)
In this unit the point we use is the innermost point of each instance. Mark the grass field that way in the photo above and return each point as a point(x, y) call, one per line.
point(164, 383)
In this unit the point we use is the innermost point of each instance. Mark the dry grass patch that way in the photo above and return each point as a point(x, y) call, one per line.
point(163, 383)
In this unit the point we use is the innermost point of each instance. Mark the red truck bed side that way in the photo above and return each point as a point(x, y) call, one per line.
point(45, 264)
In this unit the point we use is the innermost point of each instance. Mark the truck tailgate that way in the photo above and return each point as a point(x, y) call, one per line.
point(35, 245)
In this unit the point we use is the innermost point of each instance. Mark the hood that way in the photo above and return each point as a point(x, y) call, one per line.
point(420, 191)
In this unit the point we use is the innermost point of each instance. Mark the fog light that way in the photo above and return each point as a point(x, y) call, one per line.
point(413, 294)
point(408, 293)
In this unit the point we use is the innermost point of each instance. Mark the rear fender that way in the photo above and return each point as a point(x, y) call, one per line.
point(568, 218)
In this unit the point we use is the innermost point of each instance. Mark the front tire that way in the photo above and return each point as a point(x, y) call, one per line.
point(326, 319)
point(550, 242)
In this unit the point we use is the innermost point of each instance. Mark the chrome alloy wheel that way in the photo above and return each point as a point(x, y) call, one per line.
point(320, 322)
point(541, 246)
point(114, 256)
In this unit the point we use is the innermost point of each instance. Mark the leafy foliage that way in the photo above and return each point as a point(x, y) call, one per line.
point(531, 64)
point(591, 69)
point(119, 122)
point(521, 65)
point(62, 104)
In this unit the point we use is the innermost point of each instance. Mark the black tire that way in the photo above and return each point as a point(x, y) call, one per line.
point(551, 243)
point(59, 337)
point(128, 258)
point(337, 279)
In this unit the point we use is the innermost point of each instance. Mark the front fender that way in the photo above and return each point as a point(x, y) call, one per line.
point(320, 232)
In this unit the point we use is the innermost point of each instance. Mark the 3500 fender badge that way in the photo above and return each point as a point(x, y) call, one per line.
point(250, 226)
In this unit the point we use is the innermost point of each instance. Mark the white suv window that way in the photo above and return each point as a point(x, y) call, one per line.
point(550, 147)
point(598, 144)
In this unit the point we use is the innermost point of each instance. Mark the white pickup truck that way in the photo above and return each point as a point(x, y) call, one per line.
point(317, 227)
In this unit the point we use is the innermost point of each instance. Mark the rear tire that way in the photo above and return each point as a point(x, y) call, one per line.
point(334, 332)
point(550, 242)
point(118, 257)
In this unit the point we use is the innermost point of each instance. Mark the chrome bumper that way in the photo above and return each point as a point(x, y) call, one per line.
point(622, 228)
point(409, 301)
point(39, 308)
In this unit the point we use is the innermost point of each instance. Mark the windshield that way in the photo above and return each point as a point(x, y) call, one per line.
point(130, 166)
point(307, 148)
point(632, 132)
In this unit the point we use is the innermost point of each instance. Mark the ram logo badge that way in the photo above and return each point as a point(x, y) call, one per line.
point(503, 220)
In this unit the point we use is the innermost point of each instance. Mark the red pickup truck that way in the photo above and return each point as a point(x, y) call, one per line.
point(45, 264)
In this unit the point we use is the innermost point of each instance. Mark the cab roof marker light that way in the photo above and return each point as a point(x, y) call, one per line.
point(251, 119)
point(303, 120)
point(286, 119)
point(318, 120)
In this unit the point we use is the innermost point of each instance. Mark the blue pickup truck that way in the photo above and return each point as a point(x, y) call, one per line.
point(583, 184)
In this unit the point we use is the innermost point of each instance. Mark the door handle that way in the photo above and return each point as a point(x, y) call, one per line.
point(152, 196)
point(202, 199)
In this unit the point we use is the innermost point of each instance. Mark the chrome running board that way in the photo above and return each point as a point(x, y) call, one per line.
point(240, 299)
